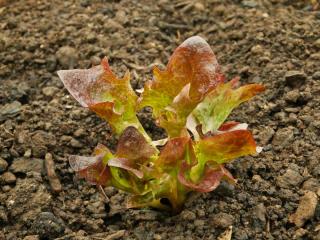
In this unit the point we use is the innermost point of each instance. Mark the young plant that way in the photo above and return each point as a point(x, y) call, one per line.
point(191, 101)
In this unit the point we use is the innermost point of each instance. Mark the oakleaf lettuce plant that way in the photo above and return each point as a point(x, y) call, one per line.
point(191, 100)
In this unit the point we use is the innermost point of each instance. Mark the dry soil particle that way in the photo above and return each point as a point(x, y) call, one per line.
point(274, 42)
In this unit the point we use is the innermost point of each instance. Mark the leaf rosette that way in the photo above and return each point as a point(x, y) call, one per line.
point(191, 101)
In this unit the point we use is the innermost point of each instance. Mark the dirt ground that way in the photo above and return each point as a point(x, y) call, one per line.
point(273, 42)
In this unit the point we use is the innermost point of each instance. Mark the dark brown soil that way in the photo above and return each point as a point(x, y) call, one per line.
point(273, 42)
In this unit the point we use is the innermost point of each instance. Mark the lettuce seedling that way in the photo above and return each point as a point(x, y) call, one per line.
point(191, 101)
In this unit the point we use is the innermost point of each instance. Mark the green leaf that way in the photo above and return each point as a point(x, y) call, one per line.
point(220, 149)
point(219, 103)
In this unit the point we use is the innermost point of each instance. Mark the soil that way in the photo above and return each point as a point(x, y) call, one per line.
point(273, 42)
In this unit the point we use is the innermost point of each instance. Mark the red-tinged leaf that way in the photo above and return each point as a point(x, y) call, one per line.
point(219, 103)
point(110, 97)
point(227, 175)
point(101, 149)
point(191, 73)
point(228, 126)
point(210, 179)
point(173, 151)
point(79, 81)
point(91, 168)
point(132, 145)
point(221, 148)
point(126, 164)
point(224, 147)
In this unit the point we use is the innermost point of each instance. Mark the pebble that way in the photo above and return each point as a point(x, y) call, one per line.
point(75, 143)
point(31, 237)
point(305, 210)
point(199, 223)
point(10, 110)
point(222, 220)
point(3, 216)
point(79, 132)
point(311, 184)
point(188, 215)
point(316, 75)
point(258, 216)
point(112, 25)
point(67, 57)
point(265, 135)
point(292, 96)
point(225, 189)
point(2, 236)
point(47, 225)
point(317, 43)
point(290, 178)
point(299, 233)
point(52, 176)
point(25, 165)
point(295, 78)
point(315, 56)
point(8, 178)
point(282, 138)
point(50, 91)
point(3, 165)
point(42, 138)
point(249, 3)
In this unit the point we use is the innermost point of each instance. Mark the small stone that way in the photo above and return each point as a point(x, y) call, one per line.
point(222, 220)
point(295, 78)
point(42, 138)
point(31, 237)
point(292, 96)
point(257, 49)
point(225, 189)
point(121, 17)
point(27, 153)
point(188, 215)
point(249, 3)
point(52, 176)
point(65, 138)
point(95, 60)
point(259, 216)
point(6, 188)
point(2, 236)
point(10, 110)
point(144, 215)
point(315, 56)
point(306, 209)
point(198, 223)
point(112, 25)
point(283, 138)
point(79, 132)
point(290, 178)
point(311, 184)
point(317, 43)
point(3, 217)
point(25, 165)
point(3, 165)
point(8, 178)
point(49, 91)
point(265, 135)
point(91, 38)
point(316, 75)
point(67, 57)
point(47, 225)
point(199, 6)
point(75, 143)
point(300, 233)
